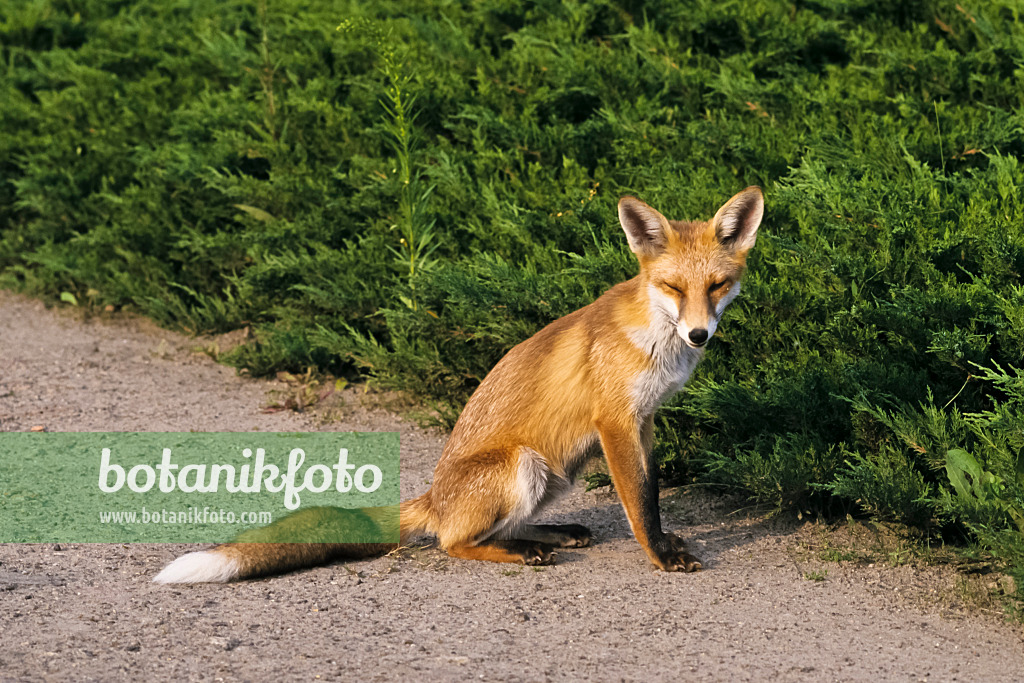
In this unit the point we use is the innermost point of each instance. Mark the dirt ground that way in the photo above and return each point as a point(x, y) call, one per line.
point(768, 606)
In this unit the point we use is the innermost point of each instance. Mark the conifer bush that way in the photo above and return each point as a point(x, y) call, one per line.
point(221, 164)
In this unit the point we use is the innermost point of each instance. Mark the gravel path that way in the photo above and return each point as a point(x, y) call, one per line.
point(90, 612)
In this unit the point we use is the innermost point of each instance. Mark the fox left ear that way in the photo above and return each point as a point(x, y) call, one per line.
point(736, 222)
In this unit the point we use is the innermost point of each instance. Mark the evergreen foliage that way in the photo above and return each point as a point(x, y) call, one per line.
point(414, 195)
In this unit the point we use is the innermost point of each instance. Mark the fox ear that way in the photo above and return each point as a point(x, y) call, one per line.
point(645, 228)
point(736, 222)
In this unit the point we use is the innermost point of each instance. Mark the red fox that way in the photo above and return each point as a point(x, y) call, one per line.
point(590, 380)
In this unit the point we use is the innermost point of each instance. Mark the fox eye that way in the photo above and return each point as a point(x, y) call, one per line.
point(717, 286)
point(674, 289)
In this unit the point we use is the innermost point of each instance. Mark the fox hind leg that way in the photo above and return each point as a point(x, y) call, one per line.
point(513, 550)
point(486, 501)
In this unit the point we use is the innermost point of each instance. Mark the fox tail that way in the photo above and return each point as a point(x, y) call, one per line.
point(267, 550)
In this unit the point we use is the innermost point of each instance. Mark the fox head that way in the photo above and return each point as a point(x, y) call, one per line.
point(691, 270)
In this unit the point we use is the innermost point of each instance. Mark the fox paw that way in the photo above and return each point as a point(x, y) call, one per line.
point(671, 556)
point(537, 554)
point(574, 536)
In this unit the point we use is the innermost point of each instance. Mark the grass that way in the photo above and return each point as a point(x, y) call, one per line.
point(408, 200)
point(816, 575)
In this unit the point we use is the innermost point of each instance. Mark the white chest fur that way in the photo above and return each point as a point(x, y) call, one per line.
point(672, 362)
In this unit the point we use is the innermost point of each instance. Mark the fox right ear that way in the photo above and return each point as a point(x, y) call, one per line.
point(645, 227)
point(736, 222)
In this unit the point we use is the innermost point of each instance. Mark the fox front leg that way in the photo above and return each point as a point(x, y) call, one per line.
point(627, 450)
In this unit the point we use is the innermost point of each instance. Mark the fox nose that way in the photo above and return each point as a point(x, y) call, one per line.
point(699, 336)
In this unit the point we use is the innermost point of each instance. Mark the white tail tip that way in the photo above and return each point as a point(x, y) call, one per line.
point(205, 566)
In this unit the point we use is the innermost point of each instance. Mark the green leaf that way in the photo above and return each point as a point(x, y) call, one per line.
point(958, 464)
point(257, 213)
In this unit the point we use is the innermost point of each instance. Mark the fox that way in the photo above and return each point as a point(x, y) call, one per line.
point(586, 383)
